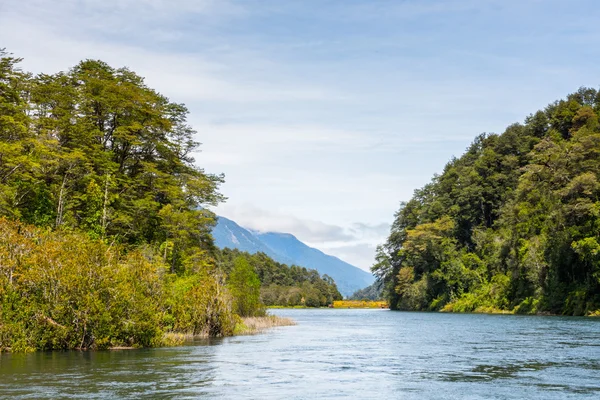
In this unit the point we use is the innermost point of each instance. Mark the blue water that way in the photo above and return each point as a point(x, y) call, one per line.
point(358, 354)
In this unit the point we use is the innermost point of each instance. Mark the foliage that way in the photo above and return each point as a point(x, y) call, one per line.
point(512, 225)
point(245, 288)
point(359, 304)
point(61, 290)
point(282, 285)
point(104, 232)
point(95, 149)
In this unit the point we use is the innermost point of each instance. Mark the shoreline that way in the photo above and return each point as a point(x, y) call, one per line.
point(257, 325)
point(246, 326)
point(342, 304)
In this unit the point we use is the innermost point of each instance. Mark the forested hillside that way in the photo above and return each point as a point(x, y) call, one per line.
point(513, 224)
point(283, 285)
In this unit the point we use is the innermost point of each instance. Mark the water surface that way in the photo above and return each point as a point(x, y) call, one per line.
point(337, 354)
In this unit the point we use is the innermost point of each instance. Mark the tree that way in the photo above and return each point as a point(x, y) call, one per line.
point(512, 224)
point(245, 288)
point(103, 214)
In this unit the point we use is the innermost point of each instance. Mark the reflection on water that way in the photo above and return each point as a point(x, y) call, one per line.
point(337, 354)
point(490, 372)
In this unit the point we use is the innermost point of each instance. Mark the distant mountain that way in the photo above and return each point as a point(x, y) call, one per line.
point(348, 278)
point(229, 234)
point(373, 292)
point(286, 248)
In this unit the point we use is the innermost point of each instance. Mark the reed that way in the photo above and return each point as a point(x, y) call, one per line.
point(254, 325)
point(360, 304)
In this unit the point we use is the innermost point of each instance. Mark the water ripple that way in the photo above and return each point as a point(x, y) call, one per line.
point(337, 354)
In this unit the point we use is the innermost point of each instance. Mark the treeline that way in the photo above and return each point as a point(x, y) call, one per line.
point(283, 285)
point(104, 232)
point(513, 224)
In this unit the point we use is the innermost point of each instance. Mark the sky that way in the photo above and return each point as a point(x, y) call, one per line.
point(325, 114)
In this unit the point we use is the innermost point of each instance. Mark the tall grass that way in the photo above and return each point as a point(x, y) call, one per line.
point(360, 304)
point(254, 325)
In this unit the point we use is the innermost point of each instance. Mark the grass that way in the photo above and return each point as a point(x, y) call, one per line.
point(360, 304)
point(286, 307)
point(448, 308)
point(171, 339)
point(254, 325)
point(244, 326)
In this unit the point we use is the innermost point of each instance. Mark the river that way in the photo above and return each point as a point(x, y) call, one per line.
point(332, 353)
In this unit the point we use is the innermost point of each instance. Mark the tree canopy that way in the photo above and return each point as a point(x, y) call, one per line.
point(105, 234)
point(513, 224)
point(283, 285)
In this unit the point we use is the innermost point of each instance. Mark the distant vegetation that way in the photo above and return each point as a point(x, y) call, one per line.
point(105, 239)
point(287, 249)
point(360, 304)
point(282, 285)
point(512, 225)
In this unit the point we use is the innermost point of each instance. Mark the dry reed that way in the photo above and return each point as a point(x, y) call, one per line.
point(253, 325)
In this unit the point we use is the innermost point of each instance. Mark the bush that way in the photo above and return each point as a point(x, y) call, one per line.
point(62, 290)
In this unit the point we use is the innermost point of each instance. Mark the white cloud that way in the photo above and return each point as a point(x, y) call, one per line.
point(361, 254)
point(182, 77)
point(327, 116)
point(354, 244)
point(261, 220)
point(124, 15)
point(371, 230)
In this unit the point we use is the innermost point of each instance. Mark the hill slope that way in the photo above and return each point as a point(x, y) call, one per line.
point(348, 277)
point(287, 249)
point(228, 234)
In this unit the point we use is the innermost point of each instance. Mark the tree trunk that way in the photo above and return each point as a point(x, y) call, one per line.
point(104, 212)
point(60, 207)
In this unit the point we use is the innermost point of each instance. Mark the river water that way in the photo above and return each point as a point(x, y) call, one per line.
point(358, 354)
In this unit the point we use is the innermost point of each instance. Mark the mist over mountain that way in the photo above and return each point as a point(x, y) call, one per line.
point(286, 248)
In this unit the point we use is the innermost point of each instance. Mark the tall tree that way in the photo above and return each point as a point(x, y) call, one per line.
point(245, 288)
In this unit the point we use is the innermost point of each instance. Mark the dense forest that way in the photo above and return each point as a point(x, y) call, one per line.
point(512, 225)
point(283, 285)
point(105, 235)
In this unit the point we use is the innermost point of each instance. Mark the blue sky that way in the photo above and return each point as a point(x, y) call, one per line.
point(324, 115)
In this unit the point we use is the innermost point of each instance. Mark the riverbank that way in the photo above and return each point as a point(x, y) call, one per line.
point(360, 304)
point(296, 307)
point(518, 310)
point(245, 326)
point(255, 325)
point(341, 304)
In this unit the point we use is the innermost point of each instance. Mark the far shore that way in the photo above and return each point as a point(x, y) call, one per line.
point(364, 304)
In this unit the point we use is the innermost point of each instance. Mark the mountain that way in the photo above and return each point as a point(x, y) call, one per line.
point(229, 234)
point(287, 249)
point(347, 277)
point(373, 292)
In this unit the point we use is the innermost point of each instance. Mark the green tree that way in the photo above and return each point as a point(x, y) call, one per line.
point(511, 224)
point(245, 288)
